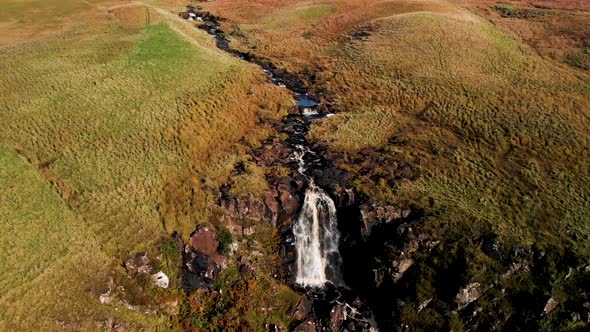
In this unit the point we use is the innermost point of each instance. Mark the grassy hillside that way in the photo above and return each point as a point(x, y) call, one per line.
point(51, 258)
point(477, 112)
point(498, 134)
point(556, 29)
point(124, 118)
point(441, 110)
point(120, 121)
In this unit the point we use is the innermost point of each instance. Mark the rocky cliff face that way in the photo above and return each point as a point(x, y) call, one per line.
point(398, 269)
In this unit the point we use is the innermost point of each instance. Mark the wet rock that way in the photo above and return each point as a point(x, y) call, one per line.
point(378, 277)
point(303, 308)
point(401, 266)
point(355, 316)
point(307, 326)
point(344, 197)
point(161, 279)
point(338, 316)
point(550, 306)
point(368, 219)
point(468, 294)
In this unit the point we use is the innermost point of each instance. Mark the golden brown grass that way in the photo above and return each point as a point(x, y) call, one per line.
point(126, 124)
point(489, 126)
point(127, 130)
point(557, 30)
point(498, 134)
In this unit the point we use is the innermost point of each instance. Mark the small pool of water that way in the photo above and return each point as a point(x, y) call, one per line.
point(303, 100)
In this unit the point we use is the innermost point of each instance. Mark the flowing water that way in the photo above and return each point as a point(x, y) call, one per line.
point(316, 236)
point(316, 240)
point(316, 232)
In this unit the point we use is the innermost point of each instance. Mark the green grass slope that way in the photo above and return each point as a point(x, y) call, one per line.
point(50, 257)
point(125, 128)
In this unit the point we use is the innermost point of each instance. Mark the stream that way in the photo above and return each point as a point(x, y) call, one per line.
point(315, 231)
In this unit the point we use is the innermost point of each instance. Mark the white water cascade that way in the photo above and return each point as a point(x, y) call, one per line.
point(316, 240)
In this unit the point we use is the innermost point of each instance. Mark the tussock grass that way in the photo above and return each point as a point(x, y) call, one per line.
point(125, 128)
point(51, 258)
point(497, 134)
point(39, 14)
point(349, 132)
point(515, 119)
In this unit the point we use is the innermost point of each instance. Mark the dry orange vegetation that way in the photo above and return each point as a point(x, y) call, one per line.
point(554, 28)
point(487, 116)
point(120, 121)
point(449, 85)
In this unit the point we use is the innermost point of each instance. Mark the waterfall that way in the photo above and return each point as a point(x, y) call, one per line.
point(298, 156)
point(316, 240)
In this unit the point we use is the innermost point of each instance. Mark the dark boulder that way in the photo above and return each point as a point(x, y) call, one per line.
point(198, 270)
point(202, 262)
point(307, 326)
point(303, 308)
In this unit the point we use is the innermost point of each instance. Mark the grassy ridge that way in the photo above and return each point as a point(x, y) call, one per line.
point(94, 114)
point(496, 118)
point(126, 130)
